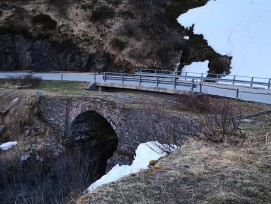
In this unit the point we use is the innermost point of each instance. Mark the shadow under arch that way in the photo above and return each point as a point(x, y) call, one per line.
point(94, 137)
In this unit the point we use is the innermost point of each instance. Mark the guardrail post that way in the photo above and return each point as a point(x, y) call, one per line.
point(185, 75)
point(217, 76)
point(269, 83)
point(157, 81)
point(122, 78)
point(200, 87)
point(192, 88)
point(104, 77)
point(237, 93)
point(94, 77)
point(139, 79)
point(174, 82)
point(233, 81)
point(252, 78)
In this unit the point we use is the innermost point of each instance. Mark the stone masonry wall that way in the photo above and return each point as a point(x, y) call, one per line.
point(133, 125)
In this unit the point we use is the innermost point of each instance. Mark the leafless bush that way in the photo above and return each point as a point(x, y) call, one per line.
point(200, 103)
point(130, 29)
point(171, 131)
point(44, 178)
point(218, 124)
point(102, 13)
point(61, 5)
point(24, 81)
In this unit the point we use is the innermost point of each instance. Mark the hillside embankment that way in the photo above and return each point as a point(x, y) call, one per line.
point(198, 172)
point(120, 35)
point(44, 168)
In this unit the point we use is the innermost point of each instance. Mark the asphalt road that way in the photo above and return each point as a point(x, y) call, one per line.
point(244, 92)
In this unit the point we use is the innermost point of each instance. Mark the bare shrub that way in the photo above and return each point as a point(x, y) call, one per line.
point(200, 103)
point(24, 81)
point(218, 124)
point(44, 178)
point(102, 13)
point(118, 44)
point(130, 29)
point(45, 21)
point(175, 130)
point(61, 5)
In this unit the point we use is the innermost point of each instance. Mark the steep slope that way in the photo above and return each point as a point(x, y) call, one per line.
point(198, 172)
point(98, 35)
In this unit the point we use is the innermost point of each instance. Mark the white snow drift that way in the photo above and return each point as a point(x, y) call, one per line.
point(239, 28)
point(7, 145)
point(144, 153)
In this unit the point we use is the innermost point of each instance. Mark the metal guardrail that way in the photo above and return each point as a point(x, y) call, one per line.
point(221, 86)
point(155, 79)
point(168, 77)
point(232, 79)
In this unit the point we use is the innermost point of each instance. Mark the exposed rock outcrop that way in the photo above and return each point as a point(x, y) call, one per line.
point(19, 52)
point(98, 35)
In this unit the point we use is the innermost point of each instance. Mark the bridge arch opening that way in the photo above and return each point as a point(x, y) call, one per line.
point(94, 137)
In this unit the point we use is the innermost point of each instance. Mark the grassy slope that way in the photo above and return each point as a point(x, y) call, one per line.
point(63, 87)
point(196, 173)
point(201, 172)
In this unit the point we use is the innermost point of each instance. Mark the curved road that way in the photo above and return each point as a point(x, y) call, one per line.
point(246, 93)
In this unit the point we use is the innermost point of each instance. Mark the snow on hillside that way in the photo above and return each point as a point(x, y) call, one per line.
point(144, 153)
point(241, 29)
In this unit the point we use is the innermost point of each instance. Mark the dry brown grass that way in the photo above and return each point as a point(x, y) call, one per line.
point(197, 173)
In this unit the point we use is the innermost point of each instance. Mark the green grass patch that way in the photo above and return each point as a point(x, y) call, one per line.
point(66, 87)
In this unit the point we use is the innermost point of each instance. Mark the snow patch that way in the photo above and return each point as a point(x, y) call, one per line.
point(8, 145)
point(144, 153)
point(241, 29)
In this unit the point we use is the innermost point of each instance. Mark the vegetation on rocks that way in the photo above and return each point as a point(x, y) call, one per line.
point(114, 34)
point(209, 168)
point(45, 21)
point(198, 172)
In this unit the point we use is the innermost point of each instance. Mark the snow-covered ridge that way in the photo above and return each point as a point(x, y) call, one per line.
point(241, 29)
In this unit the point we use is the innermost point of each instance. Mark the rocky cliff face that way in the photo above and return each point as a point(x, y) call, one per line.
point(46, 35)
point(19, 52)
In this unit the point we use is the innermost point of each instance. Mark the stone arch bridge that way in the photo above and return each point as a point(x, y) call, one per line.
point(129, 119)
